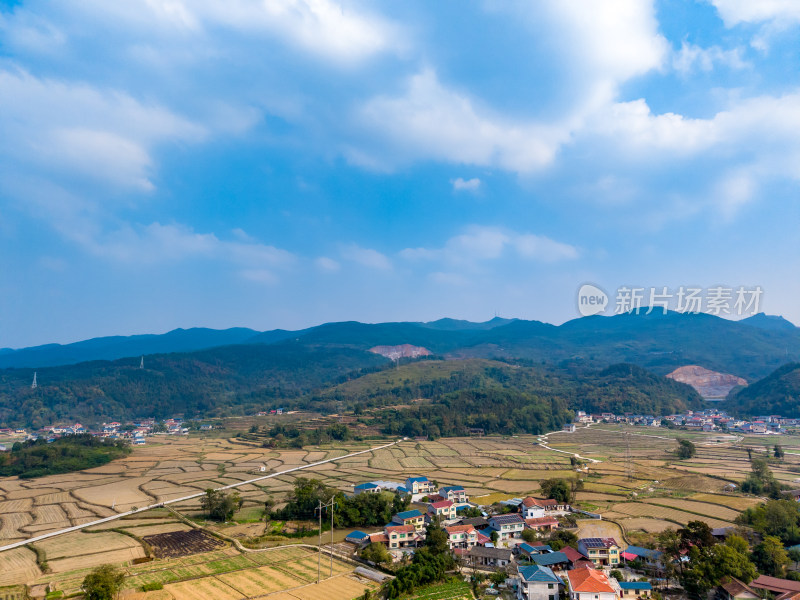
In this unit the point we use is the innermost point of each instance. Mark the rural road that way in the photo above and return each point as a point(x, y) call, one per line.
point(542, 439)
point(45, 536)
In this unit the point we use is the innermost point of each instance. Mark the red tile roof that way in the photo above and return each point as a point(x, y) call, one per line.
point(589, 580)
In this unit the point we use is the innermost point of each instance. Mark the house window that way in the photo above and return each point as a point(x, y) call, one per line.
point(549, 586)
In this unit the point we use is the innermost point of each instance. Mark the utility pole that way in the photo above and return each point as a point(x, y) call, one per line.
point(319, 548)
point(319, 508)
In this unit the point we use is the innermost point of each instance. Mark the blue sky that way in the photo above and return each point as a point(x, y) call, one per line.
point(179, 163)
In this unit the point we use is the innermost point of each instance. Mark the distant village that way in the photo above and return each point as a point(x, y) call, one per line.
point(702, 420)
point(134, 431)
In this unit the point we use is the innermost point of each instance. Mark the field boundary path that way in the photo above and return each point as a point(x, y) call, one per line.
point(45, 536)
point(542, 440)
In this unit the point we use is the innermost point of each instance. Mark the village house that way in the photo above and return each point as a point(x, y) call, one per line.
point(367, 488)
point(454, 493)
point(553, 560)
point(410, 517)
point(461, 536)
point(480, 556)
point(444, 509)
point(576, 559)
point(538, 583)
point(601, 551)
point(507, 526)
point(542, 523)
point(402, 536)
point(635, 589)
point(419, 485)
point(733, 589)
point(589, 584)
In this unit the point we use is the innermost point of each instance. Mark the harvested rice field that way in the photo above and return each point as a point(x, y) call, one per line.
point(649, 492)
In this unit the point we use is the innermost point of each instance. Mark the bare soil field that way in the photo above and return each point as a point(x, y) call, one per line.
point(182, 543)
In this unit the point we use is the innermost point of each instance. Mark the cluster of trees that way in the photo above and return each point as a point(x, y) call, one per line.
point(761, 481)
point(562, 490)
point(219, 505)
point(429, 565)
point(710, 563)
point(283, 436)
point(775, 394)
point(35, 458)
point(778, 518)
point(359, 511)
point(686, 449)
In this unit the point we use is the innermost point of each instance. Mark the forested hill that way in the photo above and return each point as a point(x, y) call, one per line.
point(776, 394)
point(219, 382)
point(751, 348)
point(451, 398)
point(246, 379)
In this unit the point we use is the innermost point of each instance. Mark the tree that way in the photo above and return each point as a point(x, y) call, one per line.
point(556, 489)
point(560, 538)
point(738, 543)
point(686, 449)
point(709, 565)
point(529, 535)
point(616, 575)
point(220, 506)
point(771, 557)
point(696, 534)
point(780, 518)
point(761, 481)
point(377, 553)
point(494, 537)
point(778, 450)
point(103, 583)
point(436, 539)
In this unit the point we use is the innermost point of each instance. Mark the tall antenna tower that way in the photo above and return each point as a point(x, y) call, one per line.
point(141, 363)
point(628, 461)
point(34, 385)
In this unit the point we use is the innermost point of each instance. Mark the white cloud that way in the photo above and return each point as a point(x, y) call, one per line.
point(468, 185)
point(366, 257)
point(691, 57)
point(76, 129)
point(325, 263)
point(481, 243)
point(431, 121)
point(334, 31)
point(734, 12)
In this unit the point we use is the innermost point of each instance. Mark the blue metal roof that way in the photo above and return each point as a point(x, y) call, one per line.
point(530, 549)
point(358, 535)
point(456, 488)
point(551, 558)
point(635, 585)
point(417, 479)
point(409, 514)
point(365, 486)
point(539, 573)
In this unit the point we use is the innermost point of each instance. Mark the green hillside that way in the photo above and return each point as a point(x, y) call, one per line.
point(776, 394)
point(448, 397)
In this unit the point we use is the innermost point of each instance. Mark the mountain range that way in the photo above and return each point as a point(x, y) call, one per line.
point(749, 348)
point(204, 372)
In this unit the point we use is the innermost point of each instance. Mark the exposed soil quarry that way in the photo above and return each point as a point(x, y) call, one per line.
point(709, 384)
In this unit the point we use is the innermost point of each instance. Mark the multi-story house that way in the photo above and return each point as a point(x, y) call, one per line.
point(402, 536)
point(507, 526)
point(601, 551)
point(454, 493)
point(538, 583)
point(410, 517)
point(589, 584)
point(461, 536)
point(419, 485)
point(445, 509)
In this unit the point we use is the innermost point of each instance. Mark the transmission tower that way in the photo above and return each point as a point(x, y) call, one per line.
point(628, 461)
point(34, 385)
